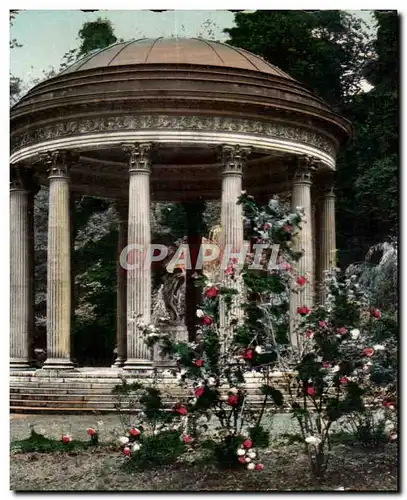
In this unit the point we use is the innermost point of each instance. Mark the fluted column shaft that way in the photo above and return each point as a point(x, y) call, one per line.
point(59, 264)
point(231, 240)
point(303, 241)
point(327, 259)
point(21, 318)
point(139, 355)
point(121, 285)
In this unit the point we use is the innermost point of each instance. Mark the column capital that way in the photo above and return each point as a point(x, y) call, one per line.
point(58, 163)
point(139, 155)
point(304, 168)
point(22, 179)
point(233, 158)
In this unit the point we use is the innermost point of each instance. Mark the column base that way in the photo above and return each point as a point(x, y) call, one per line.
point(119, 362)
point(58, 364)
point(21, 364)
point(141, 366)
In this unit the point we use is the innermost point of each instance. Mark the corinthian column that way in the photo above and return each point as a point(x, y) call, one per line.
point(303, 241)
point(59, 263)
point(231, 240)
point(139, 355)
point(21, 286)
point(121, 284)
point(327, 259)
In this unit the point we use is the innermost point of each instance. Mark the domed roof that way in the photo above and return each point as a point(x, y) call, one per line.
point(196, 51)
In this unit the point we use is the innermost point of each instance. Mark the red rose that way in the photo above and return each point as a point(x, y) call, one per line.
point(375, 313)
point(388, 403)
point(199, 362)
point(342, 330)
point(211, 292)
point(259, 467)
point(247, 443)
point(322, 324)
point(325, 365)
point(242, 460)
point(65, 439)
point(187, 439)
point(181, 410)
point(233, 400)
point(368, 351)
point(91, 432)
point(266, 226)
point(199, 391)
point(310, 391)
point(248, 354)
point(303, 310)
point(309, 334)
point(301, 280)
point(134, 432)
point(392, 435)
point(229, 270)
point(206, 320)
point(286, 228)
point(343, 380)
point(233, 260)
point(126, 451)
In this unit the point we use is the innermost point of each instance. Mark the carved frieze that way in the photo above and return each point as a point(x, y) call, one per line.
point(167, 122)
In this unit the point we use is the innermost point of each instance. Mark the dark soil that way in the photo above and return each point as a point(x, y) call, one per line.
point(286, 468)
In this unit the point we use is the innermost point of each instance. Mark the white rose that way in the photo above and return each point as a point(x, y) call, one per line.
point(379, 347)
point(241, 452)
point(251, 466)
point(136, 447)
point(200, 313)
point(248, 459)
point(259, 349)
point(252, 455)
point(123, 440)
point(355, 333)
point(335, 369)
point(233, 390)
point(313, 440)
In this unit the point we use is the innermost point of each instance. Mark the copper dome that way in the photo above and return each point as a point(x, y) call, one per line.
point(196, 51)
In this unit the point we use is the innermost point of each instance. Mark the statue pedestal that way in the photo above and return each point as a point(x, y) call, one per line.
point(176, 331)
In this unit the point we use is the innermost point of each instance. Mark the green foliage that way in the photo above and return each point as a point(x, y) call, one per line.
point(157, 450)
point(225, 452)
point(259, 436)
point(95, 35)
point(37, 443)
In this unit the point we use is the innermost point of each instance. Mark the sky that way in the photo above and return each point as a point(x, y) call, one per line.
point(46, 35)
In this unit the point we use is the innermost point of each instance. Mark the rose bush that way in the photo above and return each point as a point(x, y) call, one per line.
point(338, 371)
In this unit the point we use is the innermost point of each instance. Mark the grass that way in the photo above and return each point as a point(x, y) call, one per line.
point(103, 468)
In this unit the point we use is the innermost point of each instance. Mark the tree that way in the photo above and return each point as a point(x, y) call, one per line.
point(15, 82)
point(96, 35)
point(368, 169)
point(325, 50)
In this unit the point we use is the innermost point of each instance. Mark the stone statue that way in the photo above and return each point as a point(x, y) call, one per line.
point(173, 293)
